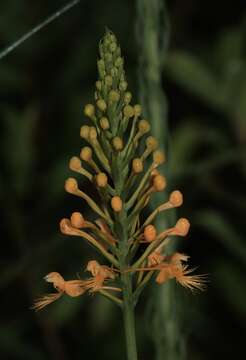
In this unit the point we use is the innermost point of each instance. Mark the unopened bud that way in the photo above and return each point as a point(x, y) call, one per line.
point(143, 126)
point(114, 72)
point(128, 111)
point(182, 226)
point(116, 203)
point(123, 86)
point(137, 166)
point(108, 57)
point(92, 134)
point(101, 105)
point(150, 233)
point(117, 143)
point(75, 163)
point(119, 62)
point(176, 198)
point(159, 157)
point(154, 173)
point(114, 96)
point(137, 110)
point(127, 97)
point(101, 179)
point(99, 85)
point(159, 183)
point(89, 110)
point(151, 143)
point(108, 80)
point(84, 131)
point(77, 220)
point(65, 226)
point(104, 123)
point(113, 47)
point(86, 153)
point(71, 185)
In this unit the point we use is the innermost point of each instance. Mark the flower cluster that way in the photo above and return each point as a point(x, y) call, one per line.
point(121, 161)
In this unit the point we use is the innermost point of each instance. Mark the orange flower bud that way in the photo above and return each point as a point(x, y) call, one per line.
point(77, 220)
point(71, 185)
point(151, 143)
point(84, 132)
point(104, 123)
point(137, 166)
point(150, 233)
point(75, 163)
point(117, 143)
point(159, 183)
point(182, 226)
point(101, 179)
point(86, 153)
point(176, 198)
point(159, 157)
point(65, 226)
point(92, 133)
point(116, 203)
point(143, 126)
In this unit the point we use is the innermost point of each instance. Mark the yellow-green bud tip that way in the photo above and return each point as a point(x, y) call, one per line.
point(117, 143)
point(104, 123)
point(89, 110)
point(128, 111)
point(101, 105)
point(114, 96)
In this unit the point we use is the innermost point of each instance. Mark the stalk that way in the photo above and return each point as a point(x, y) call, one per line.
point(129, 317)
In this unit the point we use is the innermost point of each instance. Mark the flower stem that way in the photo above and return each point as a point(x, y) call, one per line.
point(129, 317)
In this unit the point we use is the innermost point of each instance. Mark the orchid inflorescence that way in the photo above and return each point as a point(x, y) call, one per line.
point(116, 162)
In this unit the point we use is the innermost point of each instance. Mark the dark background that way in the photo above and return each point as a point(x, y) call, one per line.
point(44, 86)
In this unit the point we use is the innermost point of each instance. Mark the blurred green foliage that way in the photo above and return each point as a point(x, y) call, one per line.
point(44, 84)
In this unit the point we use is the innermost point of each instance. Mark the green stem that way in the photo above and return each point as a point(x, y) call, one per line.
point(129, 317)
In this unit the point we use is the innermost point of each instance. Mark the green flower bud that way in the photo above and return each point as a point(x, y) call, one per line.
point(108, 80)
point(118, 62)
point(114, 96)
point(101, 105)
point(128, 111)
point(117, 143)
point(104, 123)
point(89, 110)
point(137, 110)
point(99, 85)
point(123, 86)
point(128, 97)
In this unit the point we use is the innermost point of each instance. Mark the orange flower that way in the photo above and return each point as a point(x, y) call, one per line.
point(78, 287)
